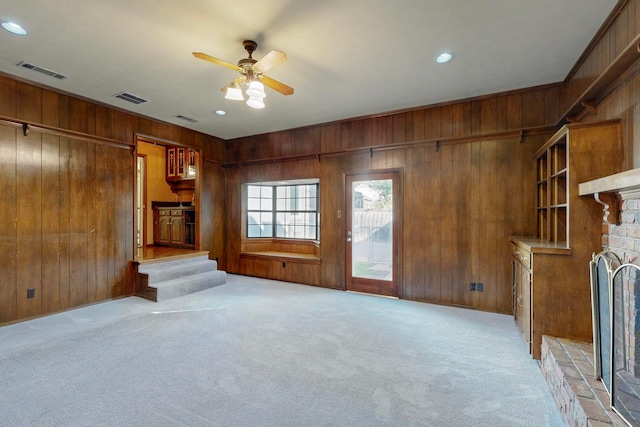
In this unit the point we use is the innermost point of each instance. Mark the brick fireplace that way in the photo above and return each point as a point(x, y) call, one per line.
point(570, 367)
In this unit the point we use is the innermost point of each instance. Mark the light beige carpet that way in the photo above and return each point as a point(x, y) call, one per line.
point(254, 352)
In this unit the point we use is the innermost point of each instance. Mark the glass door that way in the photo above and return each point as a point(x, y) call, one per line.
point(372, 233)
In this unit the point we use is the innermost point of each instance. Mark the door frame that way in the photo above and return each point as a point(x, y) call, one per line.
point(143, 184)
point(198, 180)
point(396, 175)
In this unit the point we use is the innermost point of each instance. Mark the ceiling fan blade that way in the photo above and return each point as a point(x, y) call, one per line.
point(270, 60)
point(276, 85)
point(210, 58)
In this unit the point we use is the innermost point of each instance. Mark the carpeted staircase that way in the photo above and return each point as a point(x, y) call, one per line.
point(162, 280)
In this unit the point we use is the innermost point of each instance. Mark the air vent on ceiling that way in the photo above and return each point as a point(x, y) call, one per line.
point(42, 70)
point(126, 96)
point(186, 119)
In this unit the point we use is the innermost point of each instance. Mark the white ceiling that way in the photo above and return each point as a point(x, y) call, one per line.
point(346, 58)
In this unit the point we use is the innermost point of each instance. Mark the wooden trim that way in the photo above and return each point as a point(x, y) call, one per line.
point(166, 142)
point(619, 70)
point(436, 142)
point(52, 130)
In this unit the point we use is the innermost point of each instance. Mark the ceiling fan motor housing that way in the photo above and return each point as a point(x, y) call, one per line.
point(250, 46)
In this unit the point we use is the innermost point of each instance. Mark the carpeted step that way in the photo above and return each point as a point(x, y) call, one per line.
point(177, 277)
point(188, 284)
point(162, 272)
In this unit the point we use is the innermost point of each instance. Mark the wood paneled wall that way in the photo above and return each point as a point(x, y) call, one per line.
point(461, 200)
point(67, 225)
point(66, 220)
point(621, 101)
point(66, 202)
point(524, 109)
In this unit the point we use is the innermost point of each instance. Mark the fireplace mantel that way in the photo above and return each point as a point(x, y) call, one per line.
point(609, 189)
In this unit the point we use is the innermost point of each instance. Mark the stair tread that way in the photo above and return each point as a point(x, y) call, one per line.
point(161, 266)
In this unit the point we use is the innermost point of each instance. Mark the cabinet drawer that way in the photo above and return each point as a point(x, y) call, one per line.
point(176, 212)
point(522, 255)
point(164, 212)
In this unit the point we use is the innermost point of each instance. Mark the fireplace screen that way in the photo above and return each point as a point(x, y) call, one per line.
point(602, 267)
point(625, 368)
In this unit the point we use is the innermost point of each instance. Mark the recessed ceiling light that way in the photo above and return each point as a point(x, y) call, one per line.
point(14, 28)
point(221, 112)
point(444, 57)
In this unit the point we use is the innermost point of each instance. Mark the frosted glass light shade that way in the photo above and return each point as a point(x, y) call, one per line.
point(234, 93)
point(256, 90)
point(255, 102)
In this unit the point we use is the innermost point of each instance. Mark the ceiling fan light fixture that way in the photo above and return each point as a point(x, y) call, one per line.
point(256, 90)
point(255, 102)
point(234, 93)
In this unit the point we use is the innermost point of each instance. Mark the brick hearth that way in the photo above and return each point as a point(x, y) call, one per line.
point(568, 367)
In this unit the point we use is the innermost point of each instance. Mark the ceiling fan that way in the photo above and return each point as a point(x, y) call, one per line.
point(251, 73)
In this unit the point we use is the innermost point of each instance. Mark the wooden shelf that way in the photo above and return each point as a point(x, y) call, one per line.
point(550, 271)
point(624, 64)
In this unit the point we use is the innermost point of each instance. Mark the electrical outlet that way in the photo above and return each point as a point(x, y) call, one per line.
point(31, 293)
point(480, 287)
point(472, 286)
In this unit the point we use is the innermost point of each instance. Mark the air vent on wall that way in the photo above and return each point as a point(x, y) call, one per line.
point(42, 70)
point(186, 119)
point(126, 96)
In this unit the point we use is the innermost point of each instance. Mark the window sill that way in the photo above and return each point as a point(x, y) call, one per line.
point(283, 257)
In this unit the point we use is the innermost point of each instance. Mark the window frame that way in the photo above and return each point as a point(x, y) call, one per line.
point(274, 186)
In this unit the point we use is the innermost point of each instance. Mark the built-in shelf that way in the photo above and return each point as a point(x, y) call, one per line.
point(623, 65)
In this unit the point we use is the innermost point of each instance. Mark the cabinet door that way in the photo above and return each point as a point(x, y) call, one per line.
point(517, 292)
point(177, 230)
point(171, 163)
point(525, 309)
point(164, 229)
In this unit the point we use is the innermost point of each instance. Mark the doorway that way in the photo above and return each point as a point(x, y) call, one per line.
point(166, 199)
point(372, 232)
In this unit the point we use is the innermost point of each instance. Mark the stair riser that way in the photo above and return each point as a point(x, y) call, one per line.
point(189, 286)
point(158, 276)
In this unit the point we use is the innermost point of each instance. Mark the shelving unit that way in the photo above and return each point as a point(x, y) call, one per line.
point(551, 270)
point(553, 192)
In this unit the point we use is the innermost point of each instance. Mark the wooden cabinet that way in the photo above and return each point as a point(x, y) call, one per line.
point(558, 302)
point(521, 282)
point(181, 163)
point(181, 169)
point(174, 226)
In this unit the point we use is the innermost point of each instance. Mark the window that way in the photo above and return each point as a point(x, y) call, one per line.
point(285, 211)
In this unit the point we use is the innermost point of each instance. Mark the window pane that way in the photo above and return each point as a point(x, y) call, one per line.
point(253, 191)
point(266, 204)
point(253, 204)
point(253, 231)
point(253, 218)
point(295, 208)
